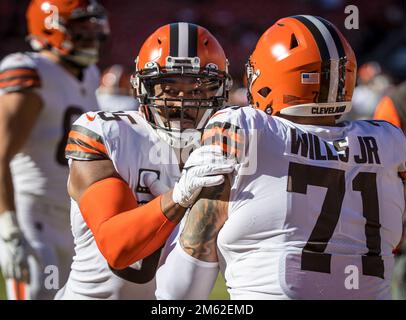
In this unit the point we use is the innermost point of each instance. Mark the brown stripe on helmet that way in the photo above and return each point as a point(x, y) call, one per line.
point(173, 39)
point(324, 55)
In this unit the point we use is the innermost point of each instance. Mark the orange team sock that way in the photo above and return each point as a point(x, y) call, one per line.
point(124, 232)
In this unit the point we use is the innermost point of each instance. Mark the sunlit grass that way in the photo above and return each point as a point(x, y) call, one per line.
point(219, 291)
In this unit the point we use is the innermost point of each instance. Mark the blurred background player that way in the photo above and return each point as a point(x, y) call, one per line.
point(392, 108)
point(119, 220)
point(115, 92)
point(41, 94)
point(372, 84)
point(320, 217)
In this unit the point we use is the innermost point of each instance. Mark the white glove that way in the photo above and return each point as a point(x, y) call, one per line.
point(14, 264)
point(205, 167)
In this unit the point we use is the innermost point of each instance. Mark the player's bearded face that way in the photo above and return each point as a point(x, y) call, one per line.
point(182, 101)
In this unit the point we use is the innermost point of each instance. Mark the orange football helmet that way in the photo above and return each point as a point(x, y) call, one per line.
point(50, 26)
point(302, 66)
point(180, 51)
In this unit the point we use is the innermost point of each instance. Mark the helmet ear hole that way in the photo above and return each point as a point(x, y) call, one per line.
point(293, 41)
point(265, 91)
point(269, 109)
point(159, 41)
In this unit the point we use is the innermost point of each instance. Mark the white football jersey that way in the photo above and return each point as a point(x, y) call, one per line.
point(40, 168)
point(315, 211)
point(133, 146)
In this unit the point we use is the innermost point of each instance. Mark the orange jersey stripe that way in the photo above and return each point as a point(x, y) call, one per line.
point(80, 148)
point(222, 132)
point(31, 82)
point(91, 142)
point(18, 73)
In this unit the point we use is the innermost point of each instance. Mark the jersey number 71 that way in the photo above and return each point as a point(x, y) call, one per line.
point(313, 256)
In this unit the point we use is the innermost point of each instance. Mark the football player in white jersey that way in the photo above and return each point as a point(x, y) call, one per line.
point(41, 94)
point(314, 208)
point(120, 221)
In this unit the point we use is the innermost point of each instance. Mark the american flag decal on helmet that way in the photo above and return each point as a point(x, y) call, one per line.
point(310, 78)
point(332, 54)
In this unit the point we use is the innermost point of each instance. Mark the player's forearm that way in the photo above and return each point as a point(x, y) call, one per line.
point(134, 235)
point(173, 211)
point(125, 232)
point(6, 187)
point(18, 114)
point(206, 218)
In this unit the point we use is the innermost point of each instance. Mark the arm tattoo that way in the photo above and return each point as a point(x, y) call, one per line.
point(205, 219)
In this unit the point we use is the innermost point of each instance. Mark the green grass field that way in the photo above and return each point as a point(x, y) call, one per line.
point(219, 291)
point(2, 289)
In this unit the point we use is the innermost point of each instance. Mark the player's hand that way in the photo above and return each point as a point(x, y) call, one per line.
point(14, 264)
point(205, 167)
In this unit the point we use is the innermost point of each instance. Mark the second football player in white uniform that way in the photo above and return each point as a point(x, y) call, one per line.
point(41, 94)
point(314, 209)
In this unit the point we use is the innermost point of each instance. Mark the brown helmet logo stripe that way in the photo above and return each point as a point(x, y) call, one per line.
point(174, 39)
point(324, 55)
